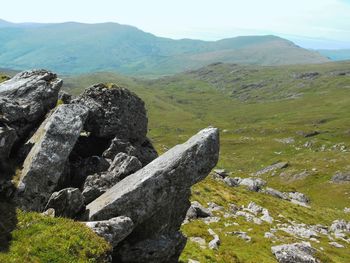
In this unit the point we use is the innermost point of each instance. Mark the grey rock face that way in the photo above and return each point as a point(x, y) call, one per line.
point(299, 197)
point(341, 177)
point(164, 183)
point(66, 203)
point(8, 137)
point(97, 184)
point(27, 97)
point(114, 111)
point(232, 181)
point(113, 230)
point(276, 193)
point(292, 253)
point(253, 184)
point(44, 165)
point(144, 151)
point(64, 97)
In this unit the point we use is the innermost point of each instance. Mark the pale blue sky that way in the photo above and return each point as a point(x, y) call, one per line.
point(324, 22)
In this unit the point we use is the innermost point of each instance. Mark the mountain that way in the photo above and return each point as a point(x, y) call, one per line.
point(336, 54)
point(73, 48)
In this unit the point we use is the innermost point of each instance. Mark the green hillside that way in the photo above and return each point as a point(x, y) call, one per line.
point(257, 109)
point(336, 55)
point(73, 48)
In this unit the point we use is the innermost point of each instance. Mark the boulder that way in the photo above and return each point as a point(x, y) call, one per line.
point(253, 184)
point(44, 165)
point(232, 181)
point(215, 242)
point(196, 210)
point(144, 150)
point(8, 137)
point(299, 197)
point(66, 203)
point(341, 177)
point(114, 111)
point(297, 252)
point(26, 98)
point(97, 184)
point(273, 167)
point(276, 193)
point(113, 230)
point(164, 186)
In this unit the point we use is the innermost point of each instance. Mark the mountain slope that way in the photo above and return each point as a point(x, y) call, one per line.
point(72, 48)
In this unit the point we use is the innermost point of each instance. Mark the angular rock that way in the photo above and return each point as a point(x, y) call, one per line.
point(232, 181)
point(27, 97)
point(341, 177)
point(164, 186)
point(221, 173)
point(64, 97)
point(297, 252)
point(242, 235)
point(114, 111)
point(215, 242)
point(340, 225)
point(44, 165)
point(276, 193)
point(66, 203)
point(200, 241)
point(144, 150)
point(8, 137)
point(336, 245)
point(253, 184)
point(113, 230)
point(97, 184)
point(299, 197)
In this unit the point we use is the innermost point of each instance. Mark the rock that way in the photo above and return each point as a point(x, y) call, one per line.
point(249, 217)
point(271, 168)
point(232, 181)
point(7, 188)
point(144, 150)
point(159, 249)
point(254, 208)
point(347, 210)
point(341, 177)
point(340, 225)
point(211, 219)
point(26, 98)
point(299, 197)
point(307, 75)
point(200, 241)
point(242, 235)
point(215, 242)
point(253, 184)
point(307, 134)
point(335, 244)
point(214, 207)
point(266, 216)
point(276, 193)
point(97, 184)
point(196, 210)
point(66, 203)
point(297, 252)
point(44, 165)
point(221, 173)
point(64, 97)
point(113, 230)
point(300, 230)
point(8, 136)
point(49, 212)
point(289, 140)
point(114, 111)
point(269, 235)
point(192, 261)
point(164, 185)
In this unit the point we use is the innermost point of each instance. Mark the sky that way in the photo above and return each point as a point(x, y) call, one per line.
point(309, 23)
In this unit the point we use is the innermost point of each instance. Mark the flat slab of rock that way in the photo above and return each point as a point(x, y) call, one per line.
point(44, 165)
point(113, 230)
point(180, 167)
point(272, 167)
point(341, 177)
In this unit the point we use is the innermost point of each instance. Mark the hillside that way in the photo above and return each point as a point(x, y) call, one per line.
point(73, 48)
point(266, 115)
point(336, 55)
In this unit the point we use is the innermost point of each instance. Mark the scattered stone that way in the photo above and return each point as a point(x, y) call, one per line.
point(273, 167)
point(266, 216)
point(300, 230)
point(196, 210)
point(335, 244)
point(232, 181)
point(347, 210)
point(44, 165)
point(269, 235)
point(49, 212)
point(221, 173)
point(215, 243)
point(276, 193)
point(214, 207)
point(113, 230)
point(254, 208)
point(242, 235)
point(308, 134)
point(211, 219)
point(253, 184)
point(298, 197)
point(297, 252)
point(341, 177)
point(289, 140)
point(67, 202)
point(340, 225)
point(307, 75)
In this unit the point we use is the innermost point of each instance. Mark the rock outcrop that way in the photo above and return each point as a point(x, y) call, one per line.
point(93, 151)
point(297, 252)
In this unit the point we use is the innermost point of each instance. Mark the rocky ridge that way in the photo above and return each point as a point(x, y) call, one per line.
point(88, 158)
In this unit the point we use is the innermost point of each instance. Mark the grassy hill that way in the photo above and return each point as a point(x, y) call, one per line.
point(255, 107)
point(73, 48)
point(336, 55)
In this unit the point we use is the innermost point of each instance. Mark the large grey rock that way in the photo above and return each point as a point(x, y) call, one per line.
point(67, 203)
point(276, 193)
point(164, 188)
point(299, 197)
point(44, 166)
point(142, 150)
point(113, 230)
point(196, 210)
point(114, 111)
point(8, 137)
point(97, 184)
point(27, 97)
point(295, 253)
point(341, 177)
point(253, 184)
point(273, 167)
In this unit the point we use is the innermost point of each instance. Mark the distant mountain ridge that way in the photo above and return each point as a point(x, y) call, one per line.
point(73, 48)
point(336, 55)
